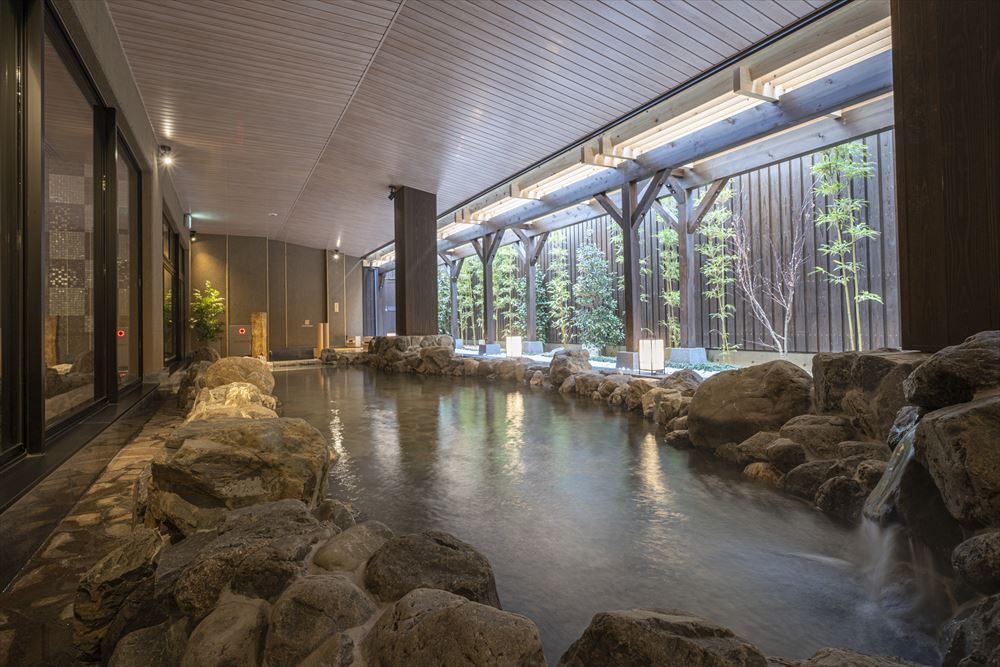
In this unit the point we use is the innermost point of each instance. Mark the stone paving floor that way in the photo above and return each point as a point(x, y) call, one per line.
point(36, 611)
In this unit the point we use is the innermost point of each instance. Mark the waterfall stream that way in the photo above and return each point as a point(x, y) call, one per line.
point(901, 439)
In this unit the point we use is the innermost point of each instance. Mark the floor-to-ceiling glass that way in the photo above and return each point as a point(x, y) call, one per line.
point(170, 351)
point(127, 331)
point(68, 235)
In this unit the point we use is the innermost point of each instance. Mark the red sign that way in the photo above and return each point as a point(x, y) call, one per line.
point(120, 333)
point(241, 330)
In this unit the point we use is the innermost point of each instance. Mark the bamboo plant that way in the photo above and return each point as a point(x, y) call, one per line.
point(557, 287)
point(717, 266)
point(841, 218)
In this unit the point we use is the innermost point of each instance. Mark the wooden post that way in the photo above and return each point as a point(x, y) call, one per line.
point(258, 335)
point(454, 270)
point(686, 259)
point(630, 245)
point(487, 248)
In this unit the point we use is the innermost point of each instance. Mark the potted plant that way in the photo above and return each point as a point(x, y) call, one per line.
point(207, 307)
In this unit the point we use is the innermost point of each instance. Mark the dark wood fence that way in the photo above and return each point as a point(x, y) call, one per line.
point(771, 200)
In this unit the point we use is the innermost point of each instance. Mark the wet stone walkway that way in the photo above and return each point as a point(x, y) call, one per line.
point(36, 612)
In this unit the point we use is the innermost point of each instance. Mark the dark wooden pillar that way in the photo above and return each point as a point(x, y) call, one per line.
point(946, 84)
point(486, 248)
point(630, 246)
point(416, 262)
point(531, 249)
point(686, 259)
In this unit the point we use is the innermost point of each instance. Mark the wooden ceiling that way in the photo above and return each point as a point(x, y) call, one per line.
point(310, 109)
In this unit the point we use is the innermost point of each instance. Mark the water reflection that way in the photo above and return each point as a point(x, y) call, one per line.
point(583, 509)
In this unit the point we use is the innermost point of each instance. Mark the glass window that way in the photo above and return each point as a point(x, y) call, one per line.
point(68, 238)
point(127, 331)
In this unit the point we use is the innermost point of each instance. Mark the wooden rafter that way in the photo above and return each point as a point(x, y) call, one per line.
point(649, 195)
point(706, 204)
point(612, 209)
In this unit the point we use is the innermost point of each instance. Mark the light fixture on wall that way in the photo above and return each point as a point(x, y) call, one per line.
point(336, 253)
point(194, 236)
point(166, 155)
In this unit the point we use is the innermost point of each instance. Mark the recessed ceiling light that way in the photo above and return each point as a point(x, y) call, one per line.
point(272, 214)
point(166, 158)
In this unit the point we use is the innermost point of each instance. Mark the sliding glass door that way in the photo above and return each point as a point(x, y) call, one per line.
point(127, 245)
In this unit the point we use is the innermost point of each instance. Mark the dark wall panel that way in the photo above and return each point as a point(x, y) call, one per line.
point(247, 277)
point(946, 79)
point(305, 271)
point(208, 262)
point(276, 295)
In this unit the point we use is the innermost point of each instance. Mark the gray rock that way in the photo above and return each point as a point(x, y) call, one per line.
point(256, 552)
point(237, 399)
point(430, 628)
point(766, 473)
point(659, 637)
point(435, 359)
point(431, 559)
point(954, 374)
point(351, 548)
point(230, 463)
point(537, 379)
point(310, 610)
point(566, 363)
point(733, 405)
point(335, 651)
point(818, 434)
point(868, 449)
point(785, 454)
point(837, 657)
point(231, 636)
point(568, 386)
point(156, 646)
point(977, 562)
point(652, 399)
point(866, 386)
point(336, 513)
point(749, 451)
point(868, 473)
point(240, 369)
point(191, 383)
point(804, 480)
point(841, 497)
point(670, 406)
point(637, 388)
point(587, 383)
point(105, 587)
point(685, 381)
point(678, 439)
point(975, 637)
point(960, 446)
point(608, 384)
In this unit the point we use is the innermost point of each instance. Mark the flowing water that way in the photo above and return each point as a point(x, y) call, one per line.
point(581, 508)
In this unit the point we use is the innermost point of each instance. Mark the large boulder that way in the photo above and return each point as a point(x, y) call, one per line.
point(841, 497)
point(231, 463)
point(313, 608)
point(231, 636)
point(684, 381)
point(350, 549)
point(255, 552)
point(785, 454)
point(609, 383)
point(587, 383)
point(975, 636)
point(977, 562)
point(866, 386)
point(428, 628)
point(637, 388)
point(205, 353)
point(565, 363)
point(820, 435)
point(749, 451)
point(659, 637)
point(240, 369)
point(107, 586)
point(960, 446)
point(237, 399)
point(838, 657)
point(954, 374)
point(431, 559)
point(733, 405)
point(192, 382)
point(435, 359)
point(160, 645)
point(804, 480)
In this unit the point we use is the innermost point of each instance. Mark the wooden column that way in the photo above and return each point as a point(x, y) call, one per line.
point(686, 259)
point(454, 270)
point(486, 248)
point(258, 335)
point(947, 102)
point(531, 249)
point(416, 261)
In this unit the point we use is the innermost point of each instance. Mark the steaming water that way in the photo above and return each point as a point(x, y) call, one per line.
point(581, 508)
point(901, 439)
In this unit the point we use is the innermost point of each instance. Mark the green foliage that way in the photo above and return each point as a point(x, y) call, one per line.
point(444, 299)
point(207, 307)
point(717, 265)
point(670, 270)
point(509, 294)
point(470, 299)
point(834, 172)
point(557, 289)
point(595, 318)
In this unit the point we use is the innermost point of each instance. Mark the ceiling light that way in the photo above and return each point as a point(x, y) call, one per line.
point(166, 156)
point(194, 236)
point(336, 253)
point(272, 214)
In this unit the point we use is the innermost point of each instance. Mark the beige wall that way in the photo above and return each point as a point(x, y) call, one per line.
point(93, 34)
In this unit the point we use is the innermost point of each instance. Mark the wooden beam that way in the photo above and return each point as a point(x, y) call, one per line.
point(665, 214)
point(616, 213)
point(688, 293)
point(649, 195)
point(630, 261)
point(706, 204)
point(743, 84)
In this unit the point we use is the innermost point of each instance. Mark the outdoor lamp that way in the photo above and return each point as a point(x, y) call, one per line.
point(651, 354)
point(513, 346)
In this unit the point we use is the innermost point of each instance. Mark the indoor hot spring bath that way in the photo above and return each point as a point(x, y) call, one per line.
point(582, 508)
